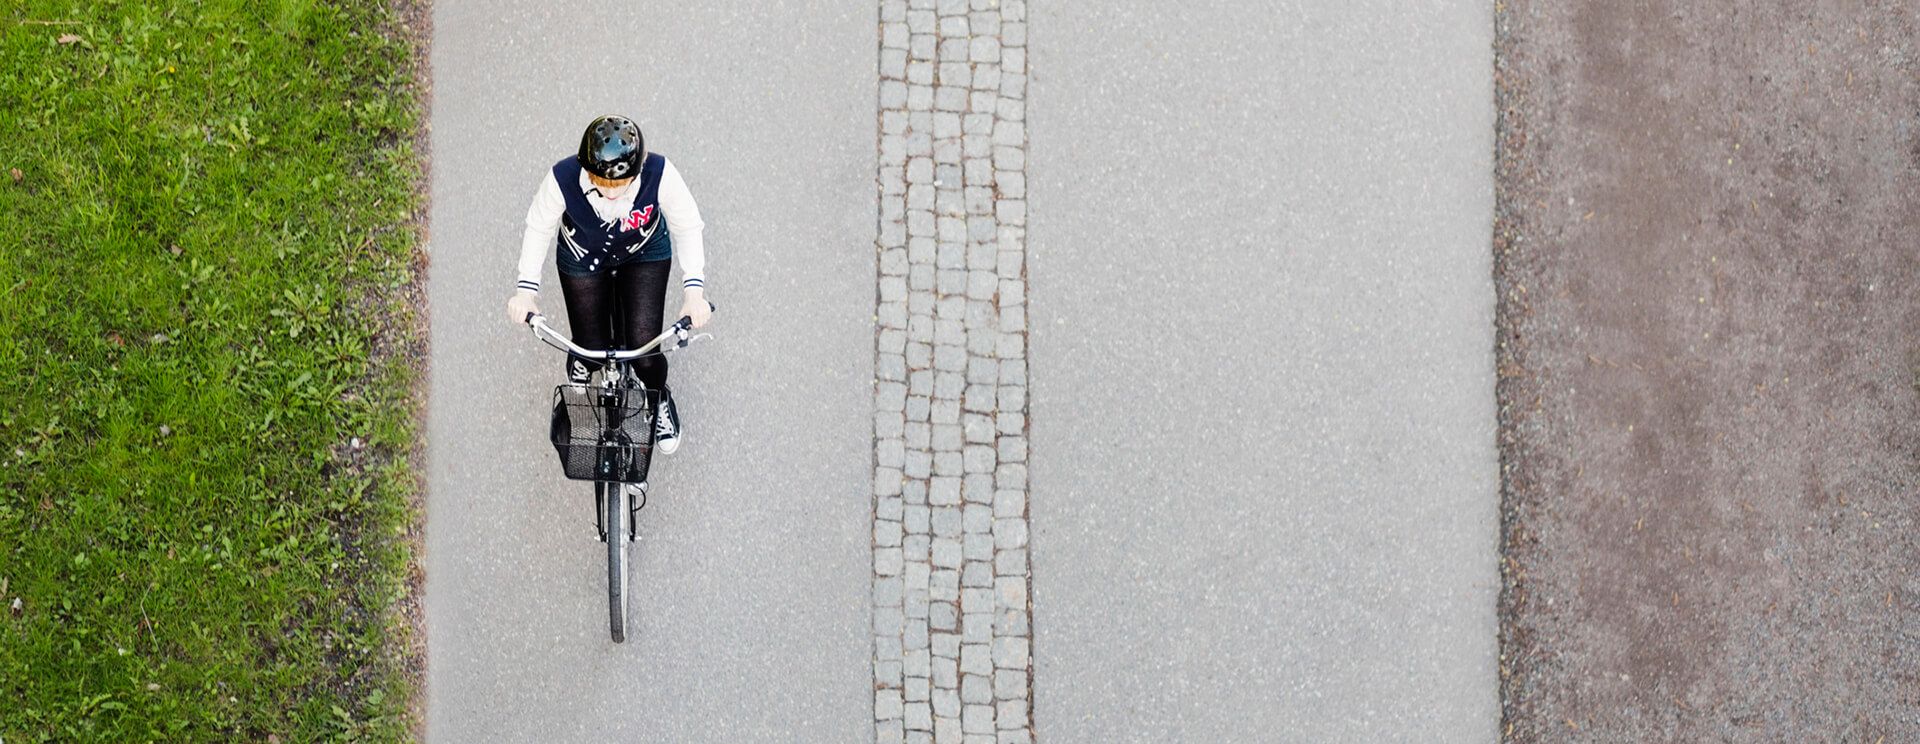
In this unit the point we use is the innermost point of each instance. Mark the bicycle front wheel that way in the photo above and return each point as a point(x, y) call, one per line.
point(616, 516)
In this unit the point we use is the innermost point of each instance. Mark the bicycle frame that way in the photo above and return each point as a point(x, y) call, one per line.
point(617, 383)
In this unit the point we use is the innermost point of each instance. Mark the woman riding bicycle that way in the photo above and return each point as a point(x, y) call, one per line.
point(600, 211)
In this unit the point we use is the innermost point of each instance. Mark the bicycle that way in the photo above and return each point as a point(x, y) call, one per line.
point(603, 432)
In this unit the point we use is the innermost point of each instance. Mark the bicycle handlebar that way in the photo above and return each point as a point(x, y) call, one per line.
point(545, 332)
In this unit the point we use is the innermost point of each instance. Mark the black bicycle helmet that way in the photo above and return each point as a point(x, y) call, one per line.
point(612, 148)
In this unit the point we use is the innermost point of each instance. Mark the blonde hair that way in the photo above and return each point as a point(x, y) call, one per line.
point(608, 183)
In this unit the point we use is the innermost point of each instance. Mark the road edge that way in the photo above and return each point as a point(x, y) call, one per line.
point(412, 22)
point(1511, 185)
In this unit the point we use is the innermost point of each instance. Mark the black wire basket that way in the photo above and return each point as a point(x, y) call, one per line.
point(588, 449)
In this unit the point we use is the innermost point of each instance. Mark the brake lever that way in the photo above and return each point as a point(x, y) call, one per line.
point(683, 338)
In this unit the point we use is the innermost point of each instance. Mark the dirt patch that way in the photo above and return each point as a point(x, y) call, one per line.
point(406, 344)
point(1707, 251)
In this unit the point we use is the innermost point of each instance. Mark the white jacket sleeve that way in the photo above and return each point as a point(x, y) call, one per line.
point(684, 224)
point(543, 225)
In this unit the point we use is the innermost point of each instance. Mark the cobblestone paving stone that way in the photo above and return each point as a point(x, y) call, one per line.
point(951, 614)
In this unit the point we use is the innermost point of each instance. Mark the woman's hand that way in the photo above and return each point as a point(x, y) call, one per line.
point(695, 307)
point(520, 304)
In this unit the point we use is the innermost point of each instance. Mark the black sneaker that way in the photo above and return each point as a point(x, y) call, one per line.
point(577, 372)
point(666, 425)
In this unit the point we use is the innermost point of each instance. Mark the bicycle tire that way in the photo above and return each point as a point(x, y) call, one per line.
point(615, 513)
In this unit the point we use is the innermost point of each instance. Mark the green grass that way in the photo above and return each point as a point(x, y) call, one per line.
point(206, 260)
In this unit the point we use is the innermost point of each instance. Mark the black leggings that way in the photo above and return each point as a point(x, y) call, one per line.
point(624, 303)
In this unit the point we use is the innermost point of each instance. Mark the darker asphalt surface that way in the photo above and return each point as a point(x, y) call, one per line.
point(1712, 341)
point(1264, 478)
point(750, 584)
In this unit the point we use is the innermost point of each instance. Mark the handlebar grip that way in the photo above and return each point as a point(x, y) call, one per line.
point(686, 321)
point(529, 319)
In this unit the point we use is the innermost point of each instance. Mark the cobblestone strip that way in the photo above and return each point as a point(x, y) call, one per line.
point(952, 640)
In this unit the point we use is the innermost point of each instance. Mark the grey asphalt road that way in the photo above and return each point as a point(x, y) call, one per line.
point(1263, 470)
point(750, 584)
